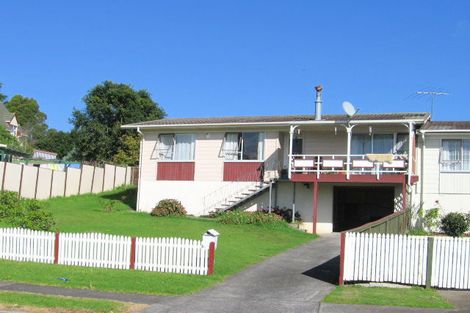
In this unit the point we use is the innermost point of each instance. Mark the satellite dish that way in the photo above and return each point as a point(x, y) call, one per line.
point(349, 108)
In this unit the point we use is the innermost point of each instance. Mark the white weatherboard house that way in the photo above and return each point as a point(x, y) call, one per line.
point(338, 172)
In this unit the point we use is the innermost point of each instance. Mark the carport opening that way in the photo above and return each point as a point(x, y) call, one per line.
point(356, 206)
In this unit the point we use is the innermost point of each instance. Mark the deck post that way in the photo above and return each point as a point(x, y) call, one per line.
point(293, 202)
point(410, 150)
point(315, 207)
point(291, 138)
point(348, 153)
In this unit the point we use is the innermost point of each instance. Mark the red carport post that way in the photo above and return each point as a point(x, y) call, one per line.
point(315, 207)
point(403, 193)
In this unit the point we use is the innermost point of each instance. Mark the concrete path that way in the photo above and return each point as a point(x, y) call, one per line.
point(294, 281)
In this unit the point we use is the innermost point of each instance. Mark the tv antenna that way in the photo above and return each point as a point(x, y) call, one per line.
point(349, 108)
point(432, 95)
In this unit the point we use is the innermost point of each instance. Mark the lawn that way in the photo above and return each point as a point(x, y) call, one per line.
point(239, 246)
point(409, 297)
point(30, 302)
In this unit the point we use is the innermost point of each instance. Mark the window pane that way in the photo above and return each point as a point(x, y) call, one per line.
point(250, 146)
point(451, 155)
point(297, 146)
point(361, 144)
point(401, 147)
point(466, 155)
point(165, 147)
point(232, 146)
point(383, 143)
point(184, 149)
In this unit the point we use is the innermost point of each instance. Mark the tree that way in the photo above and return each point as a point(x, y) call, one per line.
point(128, 153)
point(2, 96)
point(97, 132)
point(30, 118)
point(56, 141)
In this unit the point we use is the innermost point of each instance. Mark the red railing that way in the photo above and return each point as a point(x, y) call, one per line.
point(175, 171)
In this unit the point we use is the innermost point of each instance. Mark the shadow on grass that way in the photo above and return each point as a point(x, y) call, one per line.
point(126, 196)
point(327, 272)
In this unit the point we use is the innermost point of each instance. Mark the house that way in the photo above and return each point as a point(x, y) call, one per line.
point(44, 155)
point(337, 171)
point(9, 120)
point(444, 166)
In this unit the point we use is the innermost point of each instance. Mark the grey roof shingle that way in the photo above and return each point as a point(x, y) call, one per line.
point(446, 125)
point(279, 118)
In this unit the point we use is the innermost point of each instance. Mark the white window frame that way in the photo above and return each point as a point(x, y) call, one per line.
point(159, 149)
point(261, 138)
point(442, 162)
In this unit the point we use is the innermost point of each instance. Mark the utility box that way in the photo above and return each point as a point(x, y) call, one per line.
point(210, 236)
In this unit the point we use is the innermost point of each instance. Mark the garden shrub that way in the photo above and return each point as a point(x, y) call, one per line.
point(24, 213)
point(418, 231)
point(169, 207)
point(454, 224)
point(254, 218)
point(285, 213)
point(431, 219)
point(9, 201)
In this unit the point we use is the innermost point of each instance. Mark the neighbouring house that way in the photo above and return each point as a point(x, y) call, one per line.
point(9, 121)
point(44, 155)
point(337, 171)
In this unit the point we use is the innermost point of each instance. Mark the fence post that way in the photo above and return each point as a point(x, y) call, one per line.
point(341, 259)
point(429, 262)
point(132, 260)
point(21, 181)
point(210, 266)
point(56, 248)
point(36, 184)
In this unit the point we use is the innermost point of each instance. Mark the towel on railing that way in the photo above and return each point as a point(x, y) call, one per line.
point(380, 157)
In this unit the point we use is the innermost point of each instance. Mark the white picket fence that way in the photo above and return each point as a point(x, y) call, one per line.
point(176, 255)
point(95, 250)
point(404, 259)
point(451, 263)
point(19, 244)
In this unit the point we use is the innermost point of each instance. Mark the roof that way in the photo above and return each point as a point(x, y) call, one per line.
point(420, 116)
point(5, 115)
point(446, 126)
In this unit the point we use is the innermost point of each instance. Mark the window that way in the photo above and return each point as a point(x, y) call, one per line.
point(361, 144)
point(176, 147)
point(379, 143)
point(244, 146)
point(455, 155)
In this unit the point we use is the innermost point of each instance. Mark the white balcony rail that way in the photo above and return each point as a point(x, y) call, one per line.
point(338, 163)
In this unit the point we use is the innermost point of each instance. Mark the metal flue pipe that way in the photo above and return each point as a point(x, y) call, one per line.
point(318, 102)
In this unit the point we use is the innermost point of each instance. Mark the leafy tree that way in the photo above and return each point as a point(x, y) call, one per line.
point(2, 96)
point(8, 139)
point(128, 153)
point(56, 141)
point(30, 118)
point(97, 133)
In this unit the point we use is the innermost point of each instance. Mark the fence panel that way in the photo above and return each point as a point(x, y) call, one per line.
point(175, 255)
point(43, 188)
point(28, 182)
point(120, 178)
point(95, 250)
point(385, 258)
point(108, 183)
point(12, 177)
point(451, 263)
point(86, 179)
point(19, 244)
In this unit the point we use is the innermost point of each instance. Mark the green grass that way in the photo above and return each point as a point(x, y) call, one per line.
point(239, 246)
point(19, 299)
point(409, 297)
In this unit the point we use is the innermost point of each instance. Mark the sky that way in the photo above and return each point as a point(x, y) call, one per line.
point(225, 58)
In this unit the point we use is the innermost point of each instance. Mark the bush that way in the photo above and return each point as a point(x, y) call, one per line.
point(254, 218)
point(169, 207)
point(418, 231)
point(454, 224)
point(9, 201)
point(285, 213)
point(431, 219)
point(36, 220)
point(24, 212)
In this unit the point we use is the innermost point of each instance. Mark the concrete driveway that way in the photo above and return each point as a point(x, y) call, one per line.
point(294, 281)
